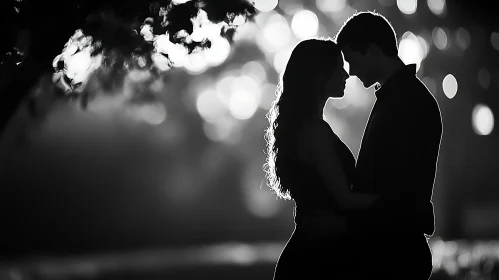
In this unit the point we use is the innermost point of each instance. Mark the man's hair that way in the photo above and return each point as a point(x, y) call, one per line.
point(364, 28)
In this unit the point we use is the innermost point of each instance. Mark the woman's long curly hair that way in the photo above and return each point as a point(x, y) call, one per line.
point(295, 100)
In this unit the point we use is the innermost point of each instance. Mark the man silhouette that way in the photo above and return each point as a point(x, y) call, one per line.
point(398, 154)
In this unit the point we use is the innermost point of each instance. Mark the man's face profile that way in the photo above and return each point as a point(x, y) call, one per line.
point(359, 64)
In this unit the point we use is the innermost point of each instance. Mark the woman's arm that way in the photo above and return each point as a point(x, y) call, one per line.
point(316, 143)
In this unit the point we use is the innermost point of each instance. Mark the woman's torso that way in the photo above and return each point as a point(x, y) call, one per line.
point(315, 210)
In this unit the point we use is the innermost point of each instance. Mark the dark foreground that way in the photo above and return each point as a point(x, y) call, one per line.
point(452, 260)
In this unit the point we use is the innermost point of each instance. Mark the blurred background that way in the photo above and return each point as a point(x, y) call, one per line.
point(174, 189)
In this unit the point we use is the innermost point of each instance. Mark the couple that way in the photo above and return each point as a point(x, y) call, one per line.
point(368, 219)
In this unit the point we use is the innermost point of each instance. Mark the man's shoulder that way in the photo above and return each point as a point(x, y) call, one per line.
point(427, 98)
point(415, 93)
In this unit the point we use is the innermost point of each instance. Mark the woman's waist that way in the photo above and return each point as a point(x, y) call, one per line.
point(318, 223)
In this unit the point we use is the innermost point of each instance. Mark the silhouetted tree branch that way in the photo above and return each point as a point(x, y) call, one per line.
point(47, 25)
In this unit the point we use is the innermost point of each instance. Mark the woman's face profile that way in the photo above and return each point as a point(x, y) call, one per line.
point(336, 81)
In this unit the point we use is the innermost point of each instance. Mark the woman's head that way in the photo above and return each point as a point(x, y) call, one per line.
point(316, 67)
point(313, 74)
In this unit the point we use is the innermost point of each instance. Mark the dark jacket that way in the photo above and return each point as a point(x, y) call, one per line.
point(398, 155)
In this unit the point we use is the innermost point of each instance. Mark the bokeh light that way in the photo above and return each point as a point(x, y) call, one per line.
point(224, 87)
point(241, 95)
point(250, 85)
point(331, 6)
point(243, 104)
point(268, 95)
point(494, 40)
point(449, 85)
point(431, 84)
point(196, 63)
point(281, 59)
point(241, 254)
point(265, 5)
point(255, 70)
point(410, 50)
point(463, 38)
point(79, 65)
point(239, 20)
point(276, 34)
point(482, 119)
point(178, 54)
point(220, 130)
point(439, 38)
point(209, 106)
point(387, 3)
point(424, 45)
point(484, 78)
point(290, 7)
point(246, 32)
point(464, 259)
point(138, 75)
point(259, 200)
point(261, 19)
point(160, 61)
point(407, 7)
point(341, 16)
point(219, 51)
point(437, 7)
point(305, 24)
point(153, 114)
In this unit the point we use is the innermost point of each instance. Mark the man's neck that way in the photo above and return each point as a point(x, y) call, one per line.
point(391, 66)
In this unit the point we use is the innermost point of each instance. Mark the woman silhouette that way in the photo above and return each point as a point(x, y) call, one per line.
point(308, 163)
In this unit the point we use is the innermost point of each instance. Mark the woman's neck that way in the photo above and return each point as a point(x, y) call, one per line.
point(319, 112)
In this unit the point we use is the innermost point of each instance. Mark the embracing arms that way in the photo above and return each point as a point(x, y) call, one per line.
point(315, 144)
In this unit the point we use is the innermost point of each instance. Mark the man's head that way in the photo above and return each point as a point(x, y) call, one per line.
point(367, 40)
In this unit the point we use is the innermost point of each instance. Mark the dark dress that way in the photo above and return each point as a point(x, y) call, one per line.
point(318, 246)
